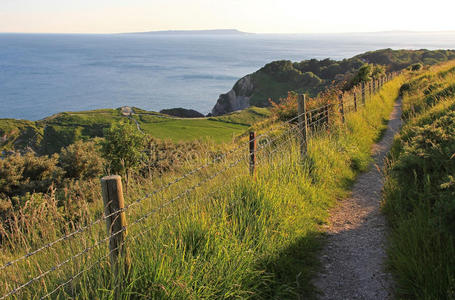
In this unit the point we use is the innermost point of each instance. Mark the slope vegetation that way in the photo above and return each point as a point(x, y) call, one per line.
point(420, 189)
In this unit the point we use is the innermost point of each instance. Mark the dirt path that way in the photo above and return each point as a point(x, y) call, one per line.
point(353, 258)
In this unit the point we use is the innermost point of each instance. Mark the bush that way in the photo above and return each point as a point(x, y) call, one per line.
point(416, 67)
point(123, 148)
point(81, 160)
point(20, 174)
point(405, 88)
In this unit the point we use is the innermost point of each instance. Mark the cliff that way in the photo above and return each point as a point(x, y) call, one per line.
point(237, 98)
point(312, 76)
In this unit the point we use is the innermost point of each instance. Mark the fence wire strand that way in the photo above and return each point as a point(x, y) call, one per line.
point(322, 110)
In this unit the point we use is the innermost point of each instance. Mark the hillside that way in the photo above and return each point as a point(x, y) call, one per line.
point(312, 76)
point(206, 229)
point(49, 135)
point(419, 195)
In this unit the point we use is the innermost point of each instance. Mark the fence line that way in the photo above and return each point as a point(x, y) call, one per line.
point(314, 119)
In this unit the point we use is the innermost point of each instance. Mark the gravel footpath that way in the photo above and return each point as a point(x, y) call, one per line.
point(353, 257)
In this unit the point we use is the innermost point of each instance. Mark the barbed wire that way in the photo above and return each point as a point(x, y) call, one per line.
point(141, 219)
point(149, 195)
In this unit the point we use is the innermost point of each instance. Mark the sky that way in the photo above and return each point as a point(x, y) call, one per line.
point(259, 16)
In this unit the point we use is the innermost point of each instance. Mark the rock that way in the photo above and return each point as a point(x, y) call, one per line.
point(126, 110)
point(182, 113)
point(236, 99)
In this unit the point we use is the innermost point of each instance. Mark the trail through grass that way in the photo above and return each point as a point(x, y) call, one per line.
point(233, 236)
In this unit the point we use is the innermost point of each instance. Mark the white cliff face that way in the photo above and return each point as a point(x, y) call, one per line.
point(237, 98)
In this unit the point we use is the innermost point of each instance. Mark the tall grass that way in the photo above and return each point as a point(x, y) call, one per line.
point(419, 191)
point(232, 237)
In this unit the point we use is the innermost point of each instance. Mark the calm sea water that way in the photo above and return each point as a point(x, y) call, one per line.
point(42, 74)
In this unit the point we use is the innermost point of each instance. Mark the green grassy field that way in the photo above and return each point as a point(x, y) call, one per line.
point(188, 130)
point(51, 134)
point(231, 237)
point(419, 192)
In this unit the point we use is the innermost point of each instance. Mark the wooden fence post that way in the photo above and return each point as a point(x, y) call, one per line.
point(112, 191)
point(327, 115)
point(340, 99)
point(252, 152)
point(355, 101)
point(374, 85)
point(303, 125)
point(363, 93)
point(369, 88)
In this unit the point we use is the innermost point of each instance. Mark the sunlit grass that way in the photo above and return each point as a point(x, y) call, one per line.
point(235, 236)
point(419, 196)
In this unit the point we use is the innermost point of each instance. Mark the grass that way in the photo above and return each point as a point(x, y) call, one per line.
point(193, 129)
point(65, 128)
point(232, 237)
point(419, 191)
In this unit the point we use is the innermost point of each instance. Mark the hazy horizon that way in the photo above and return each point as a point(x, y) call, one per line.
point(244, 32)
point(256, 16)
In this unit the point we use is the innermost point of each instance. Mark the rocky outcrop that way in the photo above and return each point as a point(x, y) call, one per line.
point(182, 113)
point(236, 99)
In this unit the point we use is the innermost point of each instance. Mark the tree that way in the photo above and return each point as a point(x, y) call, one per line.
point(123, 148)
point(365, 73)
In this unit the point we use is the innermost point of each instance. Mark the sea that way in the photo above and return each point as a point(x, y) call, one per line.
point(43, 74)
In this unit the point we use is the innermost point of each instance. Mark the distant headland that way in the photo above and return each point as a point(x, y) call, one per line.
point(195, 32)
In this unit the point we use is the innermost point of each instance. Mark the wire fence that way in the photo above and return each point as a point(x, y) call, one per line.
point(272, 141)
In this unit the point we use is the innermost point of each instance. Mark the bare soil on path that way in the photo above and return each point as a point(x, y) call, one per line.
point(354, 255)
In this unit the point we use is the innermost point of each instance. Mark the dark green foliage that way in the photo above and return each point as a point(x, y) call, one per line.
point(404, 88)
point(396, 60)
point(123, 148)
point(81, 160)
point(366, 73)
point(416, 67)
point(20, 174)
point(313, 76)
point(182, 113)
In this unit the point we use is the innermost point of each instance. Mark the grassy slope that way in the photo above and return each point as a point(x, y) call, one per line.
point(63, 129)
point(286, 76)
point(419, 193)
point(233, 237)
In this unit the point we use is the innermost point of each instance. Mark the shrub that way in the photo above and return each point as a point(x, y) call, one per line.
point(81, 160)
point(123, 148)
point(405, 88)
point(416, 67)
point(20, 174)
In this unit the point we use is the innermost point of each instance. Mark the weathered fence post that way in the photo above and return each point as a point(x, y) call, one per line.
point(252, 152)
point(112, 191)
point(369, 88)
point(340, 99)
point(363, 93)
point(303, 125)
point(355, 101)
point(374, 85)
point(327, 115)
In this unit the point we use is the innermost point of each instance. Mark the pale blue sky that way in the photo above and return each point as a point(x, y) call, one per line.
point(262, 16)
